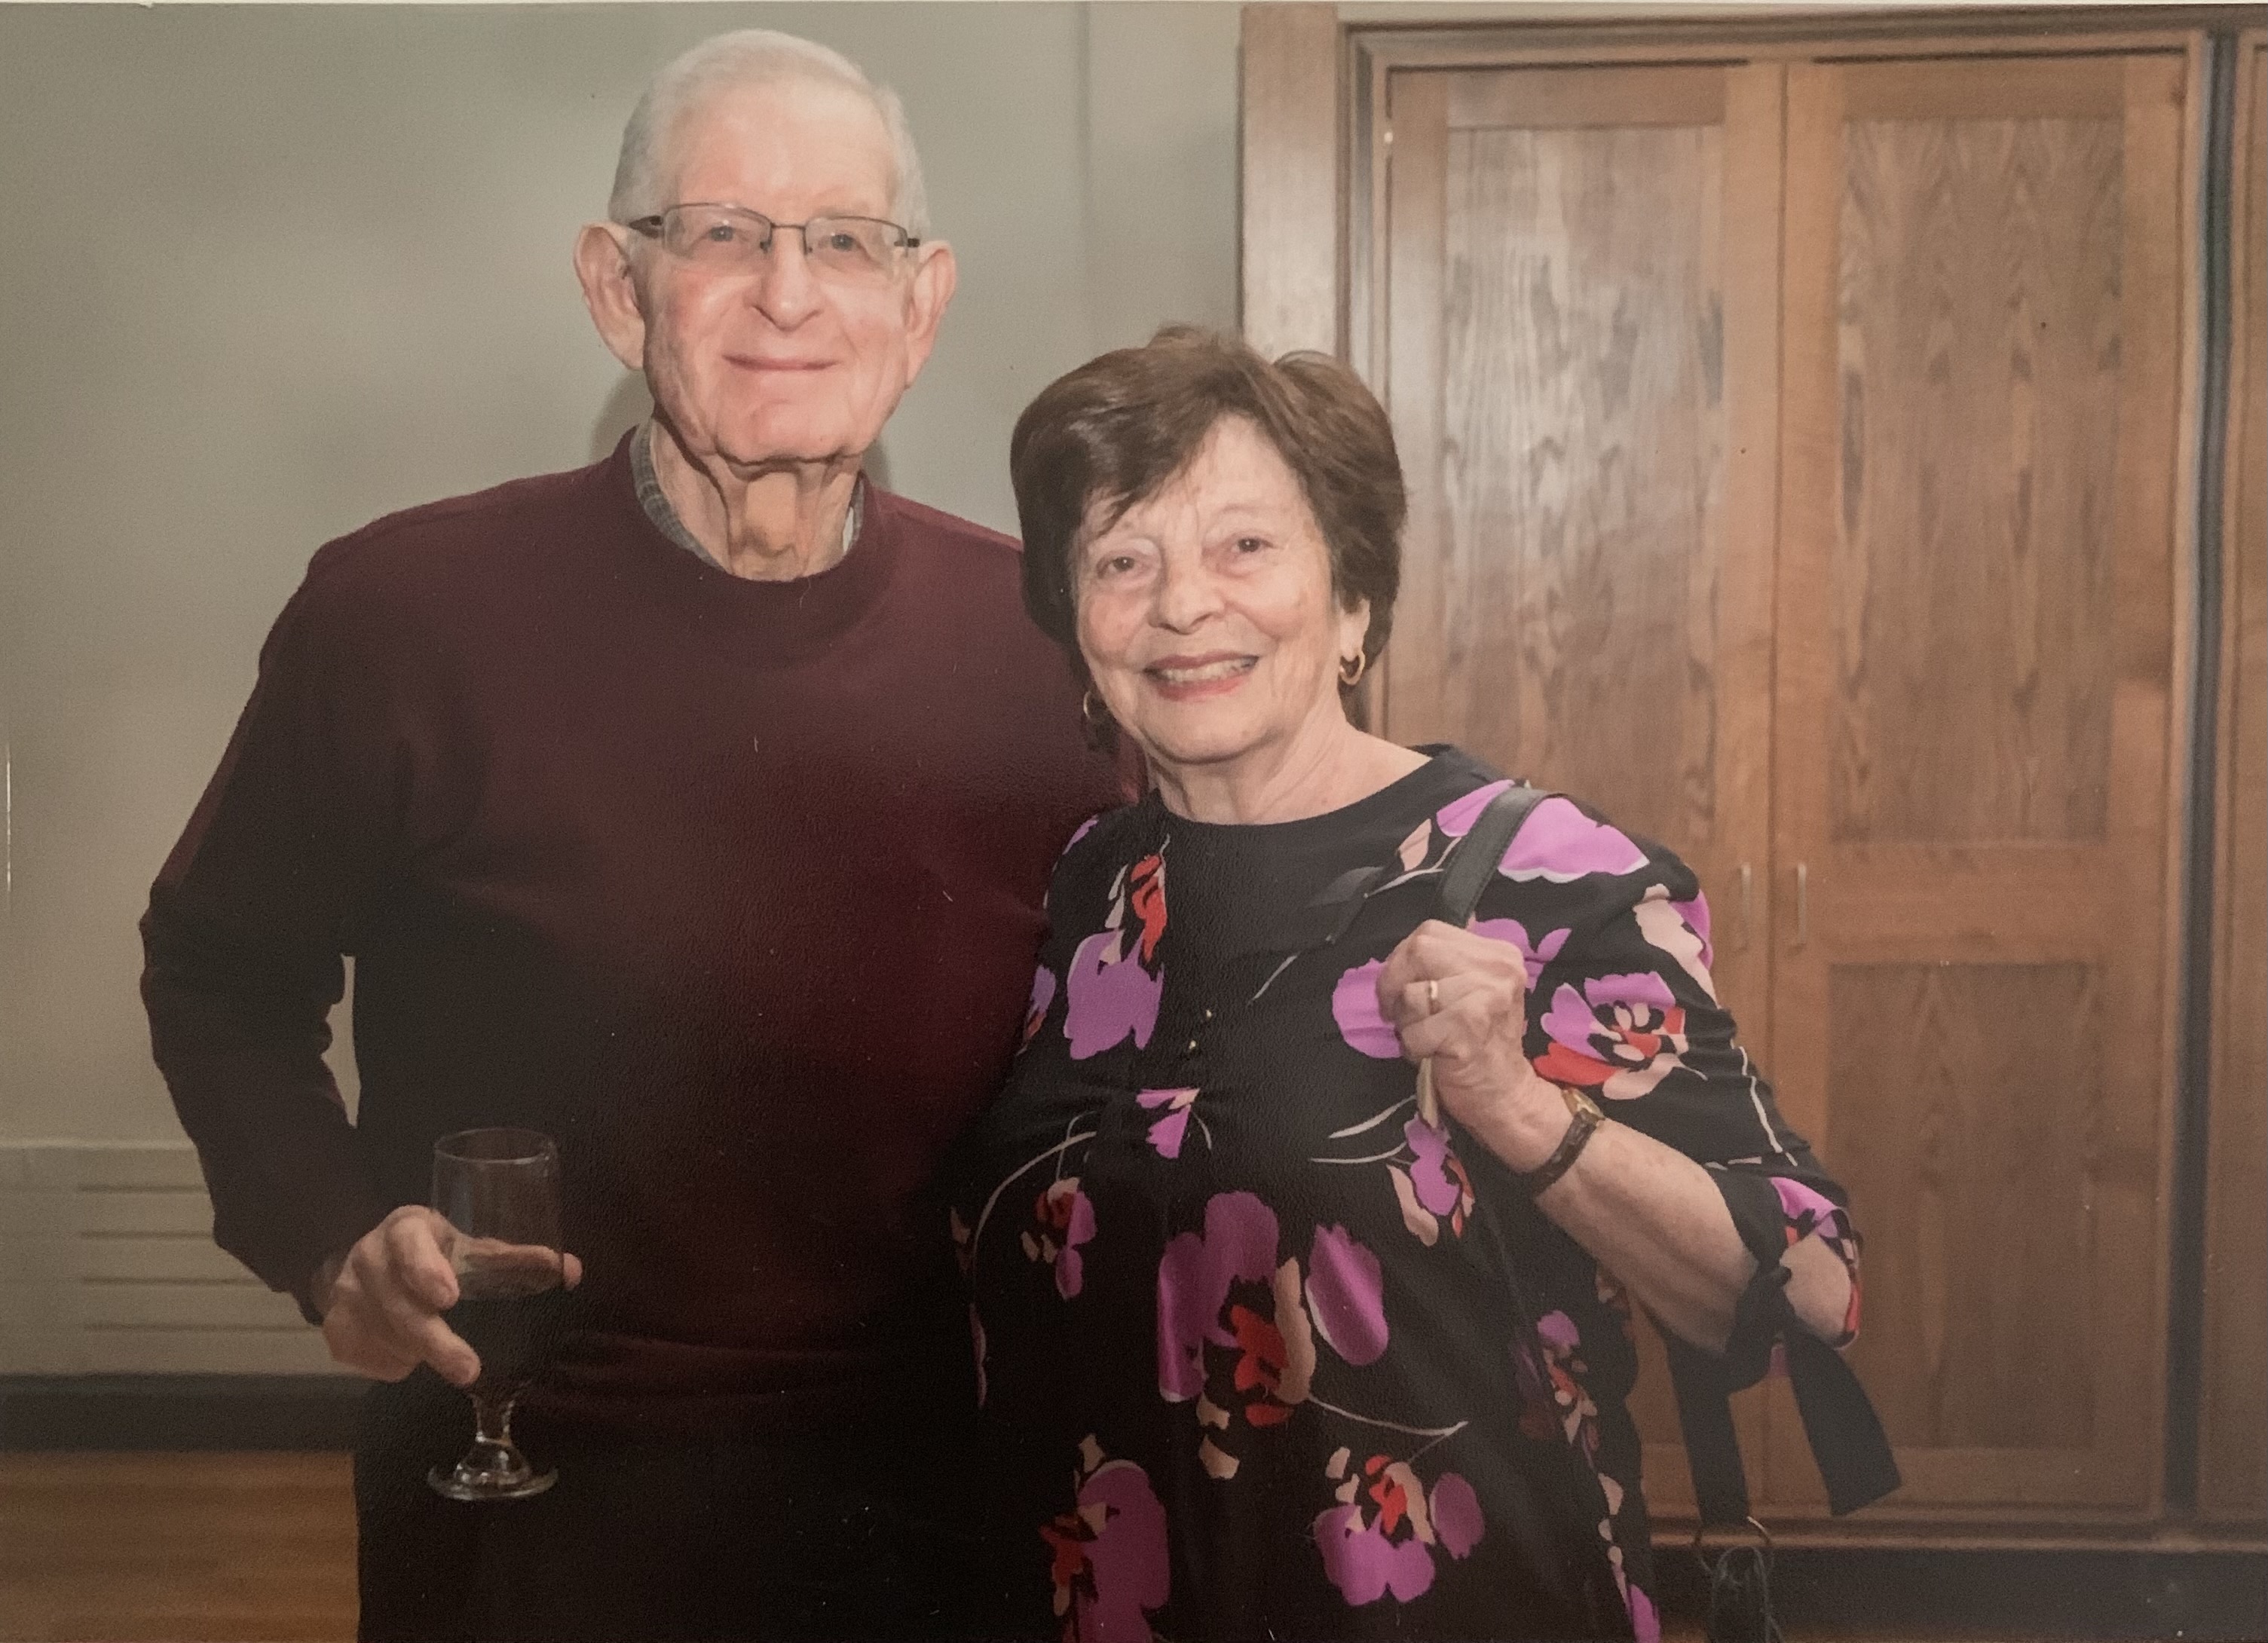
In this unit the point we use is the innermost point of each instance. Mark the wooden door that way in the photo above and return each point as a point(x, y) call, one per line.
point(2233, 1470)
point(1580, 356)
point(1977, 726)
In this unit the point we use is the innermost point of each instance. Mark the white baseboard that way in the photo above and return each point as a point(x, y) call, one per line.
point(107, 1267)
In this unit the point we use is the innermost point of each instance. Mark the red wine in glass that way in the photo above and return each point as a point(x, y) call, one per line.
point(513, 1313)
point(499, 1191)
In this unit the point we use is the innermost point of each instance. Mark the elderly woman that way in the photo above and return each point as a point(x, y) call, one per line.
point(1264, 1349)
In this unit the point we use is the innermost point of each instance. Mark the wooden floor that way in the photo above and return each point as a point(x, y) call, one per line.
point(117, 1547)
point(134, 1547)
point(139, 1548)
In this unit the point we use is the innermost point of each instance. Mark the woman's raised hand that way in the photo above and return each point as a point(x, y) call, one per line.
point(1460, 999)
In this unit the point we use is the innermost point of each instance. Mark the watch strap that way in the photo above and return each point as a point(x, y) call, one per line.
point(1583, 1120)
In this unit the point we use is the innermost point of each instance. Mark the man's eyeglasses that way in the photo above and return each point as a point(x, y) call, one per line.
point(729, 238)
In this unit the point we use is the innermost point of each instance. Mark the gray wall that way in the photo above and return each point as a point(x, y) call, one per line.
point(267, 272)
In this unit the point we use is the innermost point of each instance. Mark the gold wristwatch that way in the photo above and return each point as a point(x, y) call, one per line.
point(1584, 1118)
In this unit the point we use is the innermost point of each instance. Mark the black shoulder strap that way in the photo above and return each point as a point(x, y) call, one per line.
point(1712, 1446)
point(1472, 861)
point(1839, 1423)
point(1465, 870)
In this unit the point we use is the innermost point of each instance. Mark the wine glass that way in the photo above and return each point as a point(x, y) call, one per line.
point(499, 1191)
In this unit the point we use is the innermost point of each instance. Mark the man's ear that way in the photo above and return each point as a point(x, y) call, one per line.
point(926, 299)
point(602, 266)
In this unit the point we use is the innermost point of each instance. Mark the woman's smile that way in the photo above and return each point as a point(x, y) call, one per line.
point(1189, 678)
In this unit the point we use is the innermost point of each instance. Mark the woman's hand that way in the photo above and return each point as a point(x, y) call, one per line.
point(1461, 1000)
point(1648, 1213)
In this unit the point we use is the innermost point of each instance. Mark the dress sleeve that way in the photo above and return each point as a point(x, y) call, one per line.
point(243, 942)
point(1622, 1006)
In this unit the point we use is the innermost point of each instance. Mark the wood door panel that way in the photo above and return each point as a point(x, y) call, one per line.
point(1558, 376)
point(1542, 100)
point(2233, 1470)
point(2000, 86)
point(1973, 1338)
point(1581, 357)
point(1584, 365)
point(1975, 729)
point(1979, 359)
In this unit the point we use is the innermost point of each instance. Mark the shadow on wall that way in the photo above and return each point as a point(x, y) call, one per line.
point(626, 407)
point(629, 404)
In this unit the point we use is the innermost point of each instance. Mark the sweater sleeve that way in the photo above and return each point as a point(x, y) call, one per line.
point(243, 942)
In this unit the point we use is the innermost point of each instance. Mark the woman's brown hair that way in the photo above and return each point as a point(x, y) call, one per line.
point(1114, 432)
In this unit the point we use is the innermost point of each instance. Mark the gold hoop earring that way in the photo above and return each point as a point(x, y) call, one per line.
point(1350, 673)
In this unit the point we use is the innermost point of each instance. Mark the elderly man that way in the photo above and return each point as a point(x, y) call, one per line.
point(696, 809)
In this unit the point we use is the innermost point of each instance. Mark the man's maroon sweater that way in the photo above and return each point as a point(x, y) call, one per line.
point(733, 887)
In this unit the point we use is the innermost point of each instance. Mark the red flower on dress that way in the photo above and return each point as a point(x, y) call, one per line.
point(1146, 897)
point(1107, 1556)
point(1065, 1218)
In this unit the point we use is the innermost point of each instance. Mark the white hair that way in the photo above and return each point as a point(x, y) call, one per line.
point(753, 57)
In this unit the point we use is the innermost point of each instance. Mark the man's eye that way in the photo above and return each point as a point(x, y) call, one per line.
point(842, 242)
point(721, 233)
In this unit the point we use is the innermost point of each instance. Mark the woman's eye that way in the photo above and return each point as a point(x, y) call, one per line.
point(1250, 544)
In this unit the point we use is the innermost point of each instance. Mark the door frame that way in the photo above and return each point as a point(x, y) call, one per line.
point(1313, 77)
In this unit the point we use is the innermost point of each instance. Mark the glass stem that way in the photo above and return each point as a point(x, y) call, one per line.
point(492, 1418)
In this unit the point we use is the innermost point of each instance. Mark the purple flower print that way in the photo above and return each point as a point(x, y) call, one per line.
point(1812, 1215)
point(1534, 956)
point(1620, 1035)
point(1805, 1208)
point(1167, 1135)
point(1066, 1220)
point(1112, 996)
point(1346, 1295)
point(1436, 1174)
point(1455, 819)
point(1456, 1514)
point(1559, 1334)
point(1233, 1327)
point(1553, 1398)
point(1364, 1565)
point(1354, 1006)
point(1238, 1245)
point(1646, 1625)
point(1380, 1538)
point(1044, 994)
point(1557, 842)
point(1561, 844)
point(1109, 1556)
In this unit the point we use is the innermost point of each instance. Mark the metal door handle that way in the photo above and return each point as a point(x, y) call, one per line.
point(1802, 903)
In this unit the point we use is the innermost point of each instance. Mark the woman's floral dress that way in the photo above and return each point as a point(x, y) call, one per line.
point(1260, 1351)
